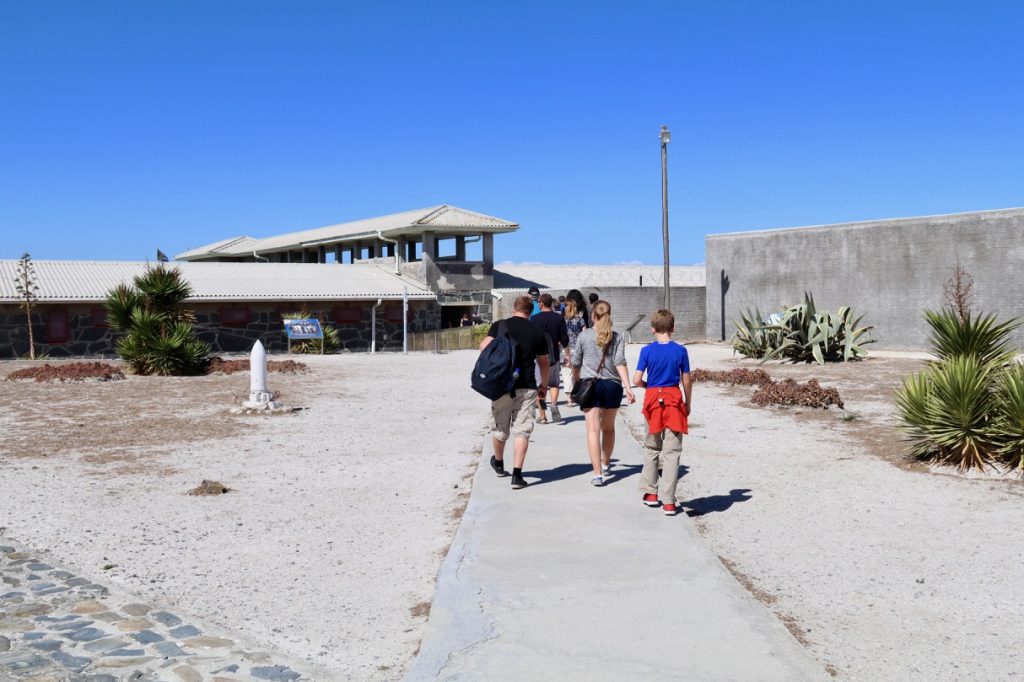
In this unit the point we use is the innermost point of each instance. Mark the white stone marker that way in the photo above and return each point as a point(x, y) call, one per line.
point(259, 396)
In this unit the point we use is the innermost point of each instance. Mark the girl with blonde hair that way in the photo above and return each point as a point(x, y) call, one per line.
point(600, 378)
point(574, 324)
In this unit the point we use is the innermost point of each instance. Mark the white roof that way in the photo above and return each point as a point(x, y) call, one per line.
point(515, 276)
point(71, 280)
point(449, 219)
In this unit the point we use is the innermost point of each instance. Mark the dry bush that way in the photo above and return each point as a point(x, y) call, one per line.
point(219, 365)
point(789, 392)
point(733, 377)
point(76, 371)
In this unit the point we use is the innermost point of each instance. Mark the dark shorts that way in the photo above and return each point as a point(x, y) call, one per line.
point(607, 395)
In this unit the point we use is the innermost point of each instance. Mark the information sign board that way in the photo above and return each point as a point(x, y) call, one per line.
point(303, 329)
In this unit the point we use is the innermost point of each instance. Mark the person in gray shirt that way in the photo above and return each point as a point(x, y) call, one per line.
point(600, 354)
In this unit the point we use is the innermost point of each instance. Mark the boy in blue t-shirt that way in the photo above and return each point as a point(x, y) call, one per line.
point(667, 365)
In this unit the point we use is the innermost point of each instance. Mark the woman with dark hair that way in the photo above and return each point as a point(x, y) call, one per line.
point(581, 305)
point(601, 355)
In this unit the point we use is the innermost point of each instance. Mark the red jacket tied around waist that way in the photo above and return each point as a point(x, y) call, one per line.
point(664, 409)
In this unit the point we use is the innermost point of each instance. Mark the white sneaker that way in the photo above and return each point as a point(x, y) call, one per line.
point(606, 470)
point(597, 481)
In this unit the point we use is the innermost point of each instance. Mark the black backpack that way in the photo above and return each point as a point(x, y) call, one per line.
point(495, 372)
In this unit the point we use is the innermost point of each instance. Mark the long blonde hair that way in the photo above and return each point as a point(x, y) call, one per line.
point(570, 309)
point(601, 319)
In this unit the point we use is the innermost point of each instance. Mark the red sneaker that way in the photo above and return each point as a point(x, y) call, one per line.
point(669, 509)
point(651, 500)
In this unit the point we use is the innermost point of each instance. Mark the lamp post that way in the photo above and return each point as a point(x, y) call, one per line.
point(666, 137)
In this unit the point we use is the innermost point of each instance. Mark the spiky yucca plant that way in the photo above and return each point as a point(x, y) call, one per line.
point(967, 408)
point(158, 333)
point(754, 338)
point(1009, 421)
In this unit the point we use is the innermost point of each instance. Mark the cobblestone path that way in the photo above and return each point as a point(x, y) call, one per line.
point(59, 627)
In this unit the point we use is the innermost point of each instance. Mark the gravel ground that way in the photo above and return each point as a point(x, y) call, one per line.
point(885, 570)
point(328, 546)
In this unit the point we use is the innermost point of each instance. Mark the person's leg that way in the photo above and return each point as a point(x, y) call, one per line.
point(501, 428)
point(608, 435)
point(554, 383)
point(671, 448)
point(592, 416)
point(522, 427)
point(649, 474)
point(519, 458)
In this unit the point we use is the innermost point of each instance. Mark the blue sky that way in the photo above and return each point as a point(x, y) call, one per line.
point(131, 126)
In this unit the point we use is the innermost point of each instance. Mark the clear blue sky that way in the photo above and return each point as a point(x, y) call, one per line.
point(127, 126)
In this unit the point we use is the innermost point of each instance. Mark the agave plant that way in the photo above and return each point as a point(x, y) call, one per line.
point(754, 338)
point(158, 333)
point(807, 334)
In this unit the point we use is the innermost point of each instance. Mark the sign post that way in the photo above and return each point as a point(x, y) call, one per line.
point(405, 320)
point(298, 330)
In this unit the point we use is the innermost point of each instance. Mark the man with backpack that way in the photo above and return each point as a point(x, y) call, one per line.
point(505, 373)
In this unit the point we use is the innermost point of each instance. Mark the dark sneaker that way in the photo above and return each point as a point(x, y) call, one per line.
point(669, 509)
point(556, 416)
point(518, 482)
point(498, 466)
point(651, 500)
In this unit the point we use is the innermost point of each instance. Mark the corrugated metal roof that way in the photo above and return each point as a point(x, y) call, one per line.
point(516, 276)
point(444, 216)
point(70, 281)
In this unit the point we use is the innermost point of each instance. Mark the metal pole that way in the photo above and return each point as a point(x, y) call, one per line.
point(664, 211)
point(405, 316)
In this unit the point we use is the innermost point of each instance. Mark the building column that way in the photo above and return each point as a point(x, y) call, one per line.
point(488, 250)
point(321, 254)
point(337, 253)
point(460, 248)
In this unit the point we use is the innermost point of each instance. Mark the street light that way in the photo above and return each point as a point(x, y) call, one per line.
point(665, 137)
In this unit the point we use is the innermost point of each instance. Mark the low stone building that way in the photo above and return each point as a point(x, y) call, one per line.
point(234, 303)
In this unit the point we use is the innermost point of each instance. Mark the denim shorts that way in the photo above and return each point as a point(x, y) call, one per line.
point(607, 395)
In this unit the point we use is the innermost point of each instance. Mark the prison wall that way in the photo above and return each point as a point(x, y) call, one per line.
point(888, 270)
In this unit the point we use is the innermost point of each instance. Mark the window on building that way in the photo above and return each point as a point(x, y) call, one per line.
point(99, 317)
point(235, 316)
point(475, 248)
point(347, 314)
point(57, 326)
point(447, 248)
point(332, 257)
point(415, 250)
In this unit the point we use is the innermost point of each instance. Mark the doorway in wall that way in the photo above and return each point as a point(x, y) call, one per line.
point(451, 315)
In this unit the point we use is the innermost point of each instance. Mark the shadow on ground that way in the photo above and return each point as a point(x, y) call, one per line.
point(716, 503)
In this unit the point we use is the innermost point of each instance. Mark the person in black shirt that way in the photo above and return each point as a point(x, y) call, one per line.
point(514, 414)
point(557, 336)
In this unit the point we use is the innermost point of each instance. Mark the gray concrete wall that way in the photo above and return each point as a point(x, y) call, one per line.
point(628, 302)
point(889, 270)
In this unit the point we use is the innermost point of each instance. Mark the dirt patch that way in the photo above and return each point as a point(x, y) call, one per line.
point(209, 488)
point(219, 365)
point(733, 377)
point(421, 610)
point(77, 371)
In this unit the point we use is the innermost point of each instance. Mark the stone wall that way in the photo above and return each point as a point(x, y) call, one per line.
point(888, 270)
point(630, 302)
point(88, 336)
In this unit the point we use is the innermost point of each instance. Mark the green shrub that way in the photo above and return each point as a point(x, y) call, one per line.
point(753, 337)
point(803, 334)
point(967, 408)
point(158, 334)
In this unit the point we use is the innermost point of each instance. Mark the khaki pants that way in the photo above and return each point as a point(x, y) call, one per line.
point(661, 451)
point(514, 416)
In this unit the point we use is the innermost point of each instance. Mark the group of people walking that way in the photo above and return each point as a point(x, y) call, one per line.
point(549, 335)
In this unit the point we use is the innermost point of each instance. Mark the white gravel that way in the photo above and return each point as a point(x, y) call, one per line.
point(887, 573)
point(339, 520)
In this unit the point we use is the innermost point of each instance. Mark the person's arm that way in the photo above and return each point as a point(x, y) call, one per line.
point(688, 391)
point(486, 342)
point(638, 379)
point(641, 366)
point(624, 375)
point(544, 365)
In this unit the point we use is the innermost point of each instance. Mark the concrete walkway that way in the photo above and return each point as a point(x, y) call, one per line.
point(563, 580)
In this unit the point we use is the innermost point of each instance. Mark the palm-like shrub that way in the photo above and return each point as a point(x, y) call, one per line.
point(803, 334)
point(967, 408)
point(158, 333)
